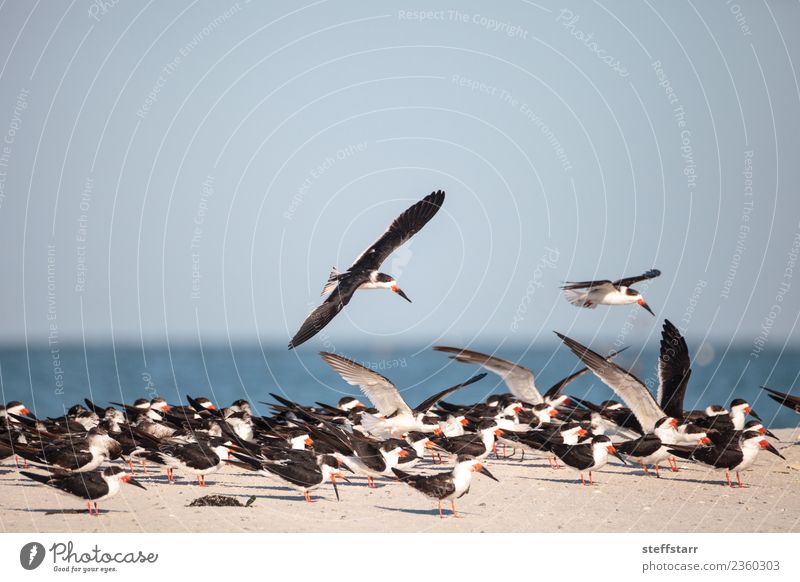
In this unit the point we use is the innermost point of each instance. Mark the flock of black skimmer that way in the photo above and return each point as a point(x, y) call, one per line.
point(92, 450)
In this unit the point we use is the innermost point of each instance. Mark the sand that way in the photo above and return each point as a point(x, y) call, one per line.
point(530, 497)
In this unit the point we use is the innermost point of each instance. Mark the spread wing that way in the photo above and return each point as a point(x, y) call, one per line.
point(519, 379)
point(787, 400)
point(674, 369)
point(322, 315)
point(587, 284)
point(555, 389)
point(627, 386)
point(403, 228)
point(381, 391)
point(628, 281)
point(429, 403)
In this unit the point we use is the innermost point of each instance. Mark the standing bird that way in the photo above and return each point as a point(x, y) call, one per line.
point(593, 293)
point(363, 273)
point(586, 456)
point(446, 486)
point(93, 486)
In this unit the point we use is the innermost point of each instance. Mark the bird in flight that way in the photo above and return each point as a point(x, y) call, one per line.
point(363, 273)
point(593, 293)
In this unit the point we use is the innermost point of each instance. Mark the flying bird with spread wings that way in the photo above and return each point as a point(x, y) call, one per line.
point(363, 273)
point(590, 294)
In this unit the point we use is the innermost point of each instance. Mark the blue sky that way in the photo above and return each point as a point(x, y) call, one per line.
point(189, 170)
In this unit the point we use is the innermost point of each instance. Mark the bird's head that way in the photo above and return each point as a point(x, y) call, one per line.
point(639, 299)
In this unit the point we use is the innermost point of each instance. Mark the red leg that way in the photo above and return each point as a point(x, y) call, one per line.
point(370, 482)
point(453, 505)
point(582, 480)
point(89, 507)
point(307, 495)
point(644, 467)
point(657, 475)
point(96, 511)
point(728, 478)
point(739, 480)
point(590, 478)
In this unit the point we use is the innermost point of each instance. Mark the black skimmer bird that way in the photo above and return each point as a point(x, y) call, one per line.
point(75, 455)
point(300, 470)
point(447, 486)
point(187, 453)
point(363, 273)
point(477, 445)
point(586, 456)
point(653, 447)
point(785, 399)
point(604, 292)
point(398, 417)
point(93, 486)
point(539, 439)
point(674, 373)
point(735, 454)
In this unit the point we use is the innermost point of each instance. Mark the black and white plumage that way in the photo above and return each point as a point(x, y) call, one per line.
point(93, 486)
point(446, 486)
point(590, 294)
point(398, 417)
point(300, 470)
point(732, 454)
point(586, 456)
point(363, 273)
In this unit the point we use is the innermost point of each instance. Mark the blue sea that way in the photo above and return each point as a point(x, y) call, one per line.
point(50, 381)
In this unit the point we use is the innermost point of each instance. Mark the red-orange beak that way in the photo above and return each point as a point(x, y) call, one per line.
point(498, 432)
point(429, 445)
point(763, 444)
point(399, 291)
point(566, 401)
point(309, 441)
point(611, 449)
point(437, 431)
point(674, 423)
point(553, 413)
point(212, 407)
point(24, 411)
point(582, 432)
point(464, 422)
point(517, 408)
point(166, 408)
point(762, 430)
point(403, 453)
point(705, 441)
point(747, 410)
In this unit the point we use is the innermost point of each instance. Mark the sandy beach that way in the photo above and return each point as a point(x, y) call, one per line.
point(530, 497)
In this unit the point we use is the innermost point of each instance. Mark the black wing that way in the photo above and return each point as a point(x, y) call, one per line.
point(436, 486)
point(628, 281)
point(429, 403)
point(322, 315)
point(674, 370)
point(403, 228)
point(787, 400)
point(585, 284)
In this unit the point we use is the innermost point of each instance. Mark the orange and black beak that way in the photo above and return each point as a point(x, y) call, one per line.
point(309, 442)
point(674, 423)
point(553, 413)
point(613, 450)
point(582, 432)
point(646, 306)
point(765, 444)
point(24, 411)
point(132, 481)
point(403, 453)
point(498, 432)
point(481, 469)
point(752, 413)
point(399, 291)
point(429, 445)
point(705, 441)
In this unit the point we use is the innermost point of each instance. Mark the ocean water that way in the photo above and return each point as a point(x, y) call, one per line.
point(50, 381)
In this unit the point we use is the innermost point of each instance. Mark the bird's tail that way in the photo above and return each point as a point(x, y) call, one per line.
point(578, 298)
point(402, 475)
point(681, 451)
point(332, 282)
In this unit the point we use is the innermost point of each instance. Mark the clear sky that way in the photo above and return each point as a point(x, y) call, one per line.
point(181, 170)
